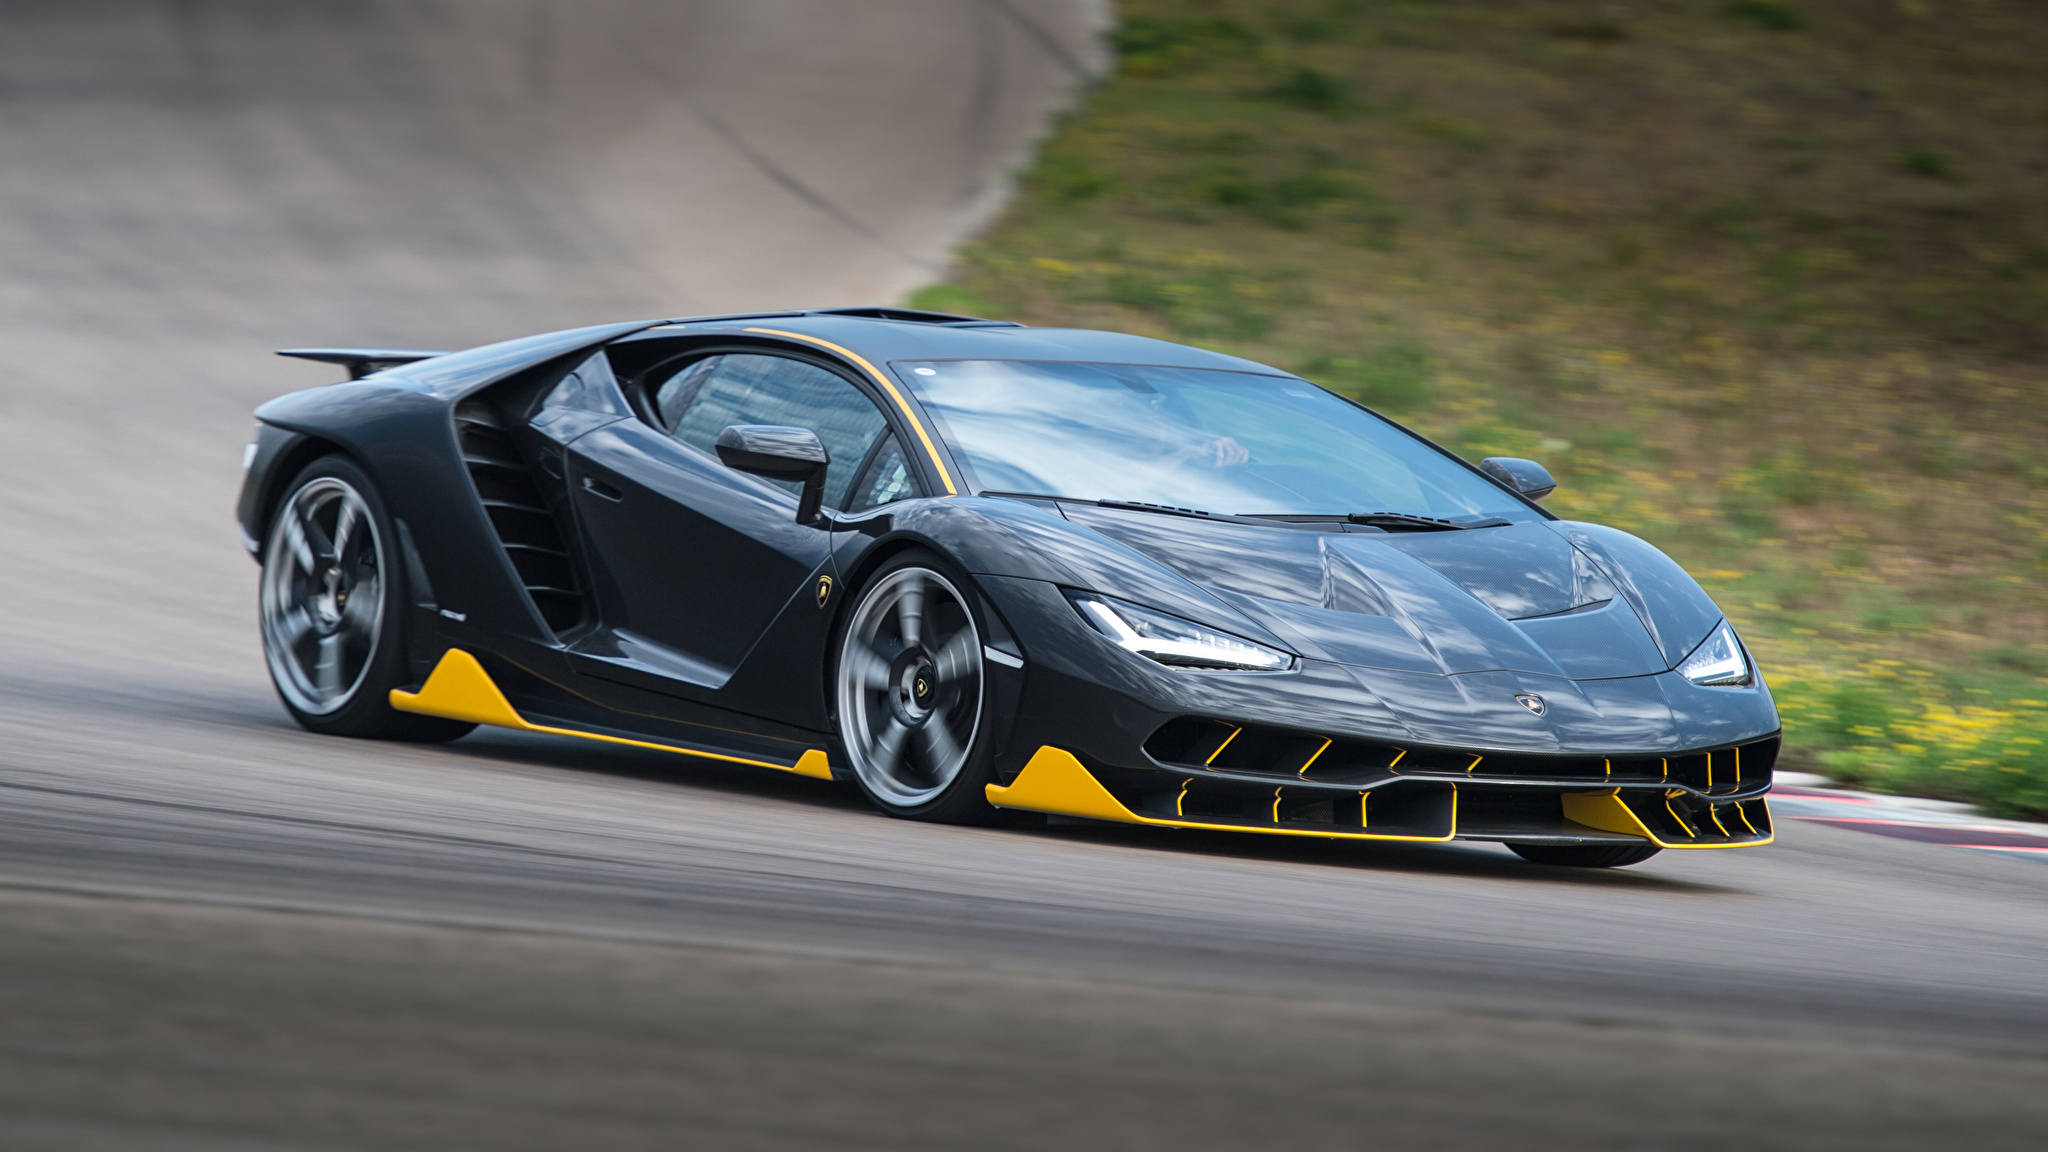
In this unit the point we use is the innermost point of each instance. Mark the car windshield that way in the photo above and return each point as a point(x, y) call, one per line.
point(1232, 442)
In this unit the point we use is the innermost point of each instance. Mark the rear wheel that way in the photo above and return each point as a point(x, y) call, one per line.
point(908, 699)
point(1585, 855)
point(332, 607)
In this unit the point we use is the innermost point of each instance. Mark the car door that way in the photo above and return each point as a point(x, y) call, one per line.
point(692, 561)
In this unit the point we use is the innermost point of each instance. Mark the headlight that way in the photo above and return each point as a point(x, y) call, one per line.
point(1173, 641)
point(1719, 662)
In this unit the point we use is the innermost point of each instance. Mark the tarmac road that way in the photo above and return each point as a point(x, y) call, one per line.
point(217, 931)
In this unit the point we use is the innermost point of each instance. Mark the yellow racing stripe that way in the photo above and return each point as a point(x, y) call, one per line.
point(930, 448)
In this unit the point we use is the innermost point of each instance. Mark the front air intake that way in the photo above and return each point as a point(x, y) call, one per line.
point(1221, 746)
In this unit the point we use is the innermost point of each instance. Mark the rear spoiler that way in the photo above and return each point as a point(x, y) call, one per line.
point(361, 362)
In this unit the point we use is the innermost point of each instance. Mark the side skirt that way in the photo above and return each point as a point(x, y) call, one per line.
point(460, 689)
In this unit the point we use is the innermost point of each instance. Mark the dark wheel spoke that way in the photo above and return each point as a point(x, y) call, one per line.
point(888, 747)
point(316, 536)
point(327, 665)
point(956, 659)
point(294, 530)
point(867, 667)
point(938, 744)
point(344, 527)
point(360, 615)
point(910, 613)
point(293, 627)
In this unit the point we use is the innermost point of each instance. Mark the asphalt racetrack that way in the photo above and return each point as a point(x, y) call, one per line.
point(220, 932)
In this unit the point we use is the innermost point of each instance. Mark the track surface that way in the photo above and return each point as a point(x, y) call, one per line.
point(221, 932)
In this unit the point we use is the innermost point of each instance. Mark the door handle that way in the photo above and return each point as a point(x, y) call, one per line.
point(602, 490)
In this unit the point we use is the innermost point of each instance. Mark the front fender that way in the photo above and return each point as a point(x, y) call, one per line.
point(1676, 610)
point(1030, 540)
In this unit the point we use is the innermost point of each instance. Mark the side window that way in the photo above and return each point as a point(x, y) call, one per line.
point(706, 396)
point(888, 477)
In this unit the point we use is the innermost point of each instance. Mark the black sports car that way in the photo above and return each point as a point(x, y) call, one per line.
point(974, 566)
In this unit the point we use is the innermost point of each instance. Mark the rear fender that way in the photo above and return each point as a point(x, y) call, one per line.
point(399, 425)
point(275, 456)
point(405, 440)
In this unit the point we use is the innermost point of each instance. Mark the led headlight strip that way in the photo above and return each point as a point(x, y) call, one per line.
point(1173, 641)
point(1719, 662)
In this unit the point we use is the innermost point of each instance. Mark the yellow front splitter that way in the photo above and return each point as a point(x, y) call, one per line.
point(1605, 811)
point(460, 689)
point(1054, 781)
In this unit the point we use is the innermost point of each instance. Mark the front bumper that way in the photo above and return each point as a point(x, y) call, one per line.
point(1054, 781)
point(1333, 751)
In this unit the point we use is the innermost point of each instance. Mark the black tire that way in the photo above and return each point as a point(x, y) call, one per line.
point(938, 757)
point(1585, 855)
point(332, 609)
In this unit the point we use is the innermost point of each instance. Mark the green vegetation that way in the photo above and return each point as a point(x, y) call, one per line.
point(1765, 283)
point(1772, 14)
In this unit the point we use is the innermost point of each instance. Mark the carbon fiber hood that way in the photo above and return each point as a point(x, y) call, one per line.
point(1552, 599)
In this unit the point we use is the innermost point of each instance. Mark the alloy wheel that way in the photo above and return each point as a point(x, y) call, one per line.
point(322, 596)
point(909, 687)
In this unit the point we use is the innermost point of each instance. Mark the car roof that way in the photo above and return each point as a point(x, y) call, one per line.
point(881, 335)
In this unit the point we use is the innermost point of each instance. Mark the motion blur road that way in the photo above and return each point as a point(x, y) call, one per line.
point(217, 931)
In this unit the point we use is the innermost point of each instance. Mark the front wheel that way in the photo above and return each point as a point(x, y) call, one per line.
point(333, 609)
point(908, 697)
point(1585, 855)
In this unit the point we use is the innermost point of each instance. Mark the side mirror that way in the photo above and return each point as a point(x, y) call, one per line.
point(779, 452)
point(1525, 476)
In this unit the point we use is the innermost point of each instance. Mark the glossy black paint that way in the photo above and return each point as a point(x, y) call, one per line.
point(361, 362)
point(704, 624)
point(779, 452)
point(1524, 476)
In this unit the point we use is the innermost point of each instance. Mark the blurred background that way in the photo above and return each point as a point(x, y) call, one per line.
point(1764, 282)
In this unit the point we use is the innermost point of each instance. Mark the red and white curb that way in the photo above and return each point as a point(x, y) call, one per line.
point(1804, 796)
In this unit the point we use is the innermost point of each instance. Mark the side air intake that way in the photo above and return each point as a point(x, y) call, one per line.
point(528, 528)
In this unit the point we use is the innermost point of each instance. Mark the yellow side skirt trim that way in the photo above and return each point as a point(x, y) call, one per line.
point(1054, 781)
point(460, 689)
point(1605, 811)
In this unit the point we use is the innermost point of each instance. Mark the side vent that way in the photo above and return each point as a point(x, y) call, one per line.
point(533, 538)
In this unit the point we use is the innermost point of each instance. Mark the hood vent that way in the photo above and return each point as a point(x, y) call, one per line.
point(1346, 587)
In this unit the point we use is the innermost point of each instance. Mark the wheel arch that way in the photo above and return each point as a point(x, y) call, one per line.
point(856, 577)
point(297, 450)
point(405, 440)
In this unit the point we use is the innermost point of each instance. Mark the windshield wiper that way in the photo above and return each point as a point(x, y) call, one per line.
point(1023, 495)
point(1410, 520)
point(1169, 509)
point(1197, 513)
point(1132, 505)
point(1407, 520)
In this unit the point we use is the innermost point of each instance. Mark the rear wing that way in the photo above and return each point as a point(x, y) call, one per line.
point(361, 362)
